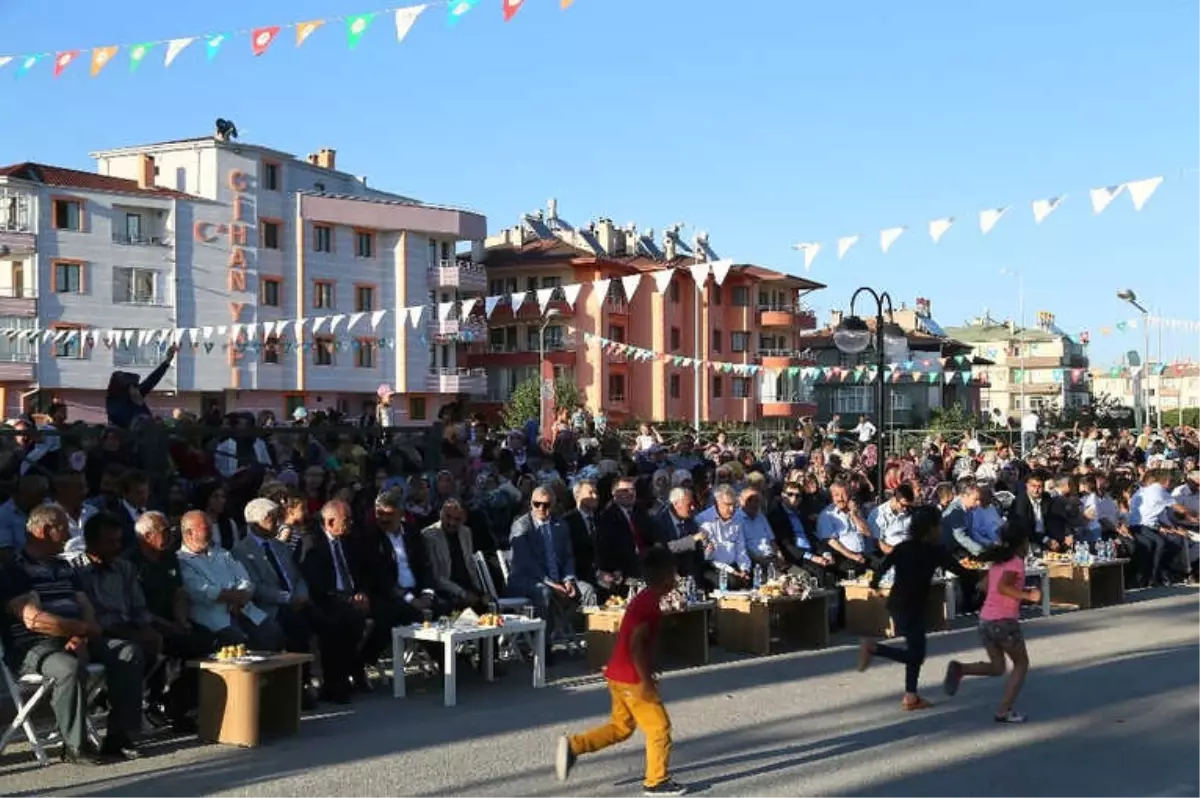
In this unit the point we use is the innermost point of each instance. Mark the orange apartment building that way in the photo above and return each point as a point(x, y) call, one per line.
point(756, 316)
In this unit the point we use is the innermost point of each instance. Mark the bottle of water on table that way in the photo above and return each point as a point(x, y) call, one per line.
point(722, 579)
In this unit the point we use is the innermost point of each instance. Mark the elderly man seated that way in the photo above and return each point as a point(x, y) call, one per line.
point(543, 563)
point(724, 541)
point(220, 593)
point(50, 628)
point(841, 527)
point(450, 552)
point(890, 520)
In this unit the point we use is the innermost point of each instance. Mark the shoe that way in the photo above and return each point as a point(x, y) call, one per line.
point(564, 758)
point(668, 787)
point(119, 748)
point(866, 650)
point(954, 677)
point(1010, 717)
point(157, 717)
point(88, 757)
point(914, 706)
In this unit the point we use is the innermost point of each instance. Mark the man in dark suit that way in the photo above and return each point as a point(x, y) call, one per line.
point(403, 563)
point(543, 565)
point(796, 542)
point(623, 534)
point(581, 524)
point(675, 528)
point(1031, 512)
point(345, 592)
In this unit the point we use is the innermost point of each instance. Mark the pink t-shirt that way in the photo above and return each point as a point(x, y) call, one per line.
point(997, 606)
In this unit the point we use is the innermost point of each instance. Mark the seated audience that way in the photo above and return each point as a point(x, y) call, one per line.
point(724, 542)
point(841, 527)
point(890, 520)
point(797, 544)
point(450, 551)
point(678, 531)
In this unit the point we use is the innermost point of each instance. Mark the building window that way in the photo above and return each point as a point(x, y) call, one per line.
point(616, 333)
point(270, 234)
point(272, 292)
point(716, 340)
point(322, 238)
point(854, 399)
point(551, 282)
point(741, 387)
point(364, 244)
point(718, 387)
point(135, 286)
point(616, 387)
point(900, 400)
point(270, 349)
point(676, 339)
point(674, 289)
point(416, 408)
point(68, 214)
point(714, 292)
point(739, 341)
point(68, 277)
point(366, 353)
point(741, 296)
point(18, 348)
point(495, 287)
point(69, 345)
point(323, 348)
point(364, 298)
point(131, 354)
point(676, 383)
point(270, 179)
point(323, 294)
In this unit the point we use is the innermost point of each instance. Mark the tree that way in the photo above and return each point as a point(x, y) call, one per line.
point(525, 402)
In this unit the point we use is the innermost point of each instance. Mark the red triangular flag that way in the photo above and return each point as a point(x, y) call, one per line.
point(263, 38)
point(511, 7)
point(63, 60)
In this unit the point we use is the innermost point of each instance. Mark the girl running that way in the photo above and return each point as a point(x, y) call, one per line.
point(999, 624)
point(915, 561)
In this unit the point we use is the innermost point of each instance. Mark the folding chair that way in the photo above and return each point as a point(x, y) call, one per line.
point(510, 647)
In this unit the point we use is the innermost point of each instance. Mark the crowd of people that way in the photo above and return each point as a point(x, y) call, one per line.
point(310, 536)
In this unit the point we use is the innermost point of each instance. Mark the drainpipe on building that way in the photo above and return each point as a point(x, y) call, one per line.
point(25, 396)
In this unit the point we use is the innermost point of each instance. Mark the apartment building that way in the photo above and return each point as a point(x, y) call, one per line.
point(1033, 367)
point(753, 317)
point(210, 234)
point(1169, 386)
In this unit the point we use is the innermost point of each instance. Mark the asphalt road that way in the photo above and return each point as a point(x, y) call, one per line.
point(1112, 699)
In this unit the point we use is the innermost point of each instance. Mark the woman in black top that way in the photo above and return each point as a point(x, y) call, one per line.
point(914, 561)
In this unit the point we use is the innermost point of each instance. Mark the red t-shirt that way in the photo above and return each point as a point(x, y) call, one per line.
point(643, 610)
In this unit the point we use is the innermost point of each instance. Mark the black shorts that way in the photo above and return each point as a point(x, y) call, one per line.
point(1003, 634)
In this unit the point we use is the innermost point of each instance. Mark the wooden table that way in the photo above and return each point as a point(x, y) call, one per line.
point(682, 635)
point(245, 703)
point(765, 625)
point(451, 637)
point(867, 615)
point(1098, 584)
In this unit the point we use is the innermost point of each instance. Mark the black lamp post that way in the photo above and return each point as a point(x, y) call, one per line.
point(853, 336)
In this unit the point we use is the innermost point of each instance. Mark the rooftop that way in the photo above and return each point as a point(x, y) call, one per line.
point(917, 340)
point(61, 177)
point(989, 333)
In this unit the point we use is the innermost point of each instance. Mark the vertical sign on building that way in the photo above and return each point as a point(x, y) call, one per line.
point(547, 415)
point(242, 224)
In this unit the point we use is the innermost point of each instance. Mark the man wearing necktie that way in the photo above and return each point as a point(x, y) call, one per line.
point(623, 533)
point(677, 531)
point(581, 524)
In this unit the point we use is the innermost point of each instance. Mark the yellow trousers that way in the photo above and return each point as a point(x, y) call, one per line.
point(630, 711)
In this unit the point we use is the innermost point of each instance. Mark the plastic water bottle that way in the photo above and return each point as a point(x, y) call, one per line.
point(722, 580)
point(758, 577)
point(772, 575)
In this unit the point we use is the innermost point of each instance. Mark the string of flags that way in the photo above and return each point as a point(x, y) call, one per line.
point(1125, 325)
point(260, 39)
point(1139, 192)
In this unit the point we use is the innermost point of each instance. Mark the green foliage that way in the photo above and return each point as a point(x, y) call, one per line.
point(1187, 417)
point(525, 403)
point(954, 418)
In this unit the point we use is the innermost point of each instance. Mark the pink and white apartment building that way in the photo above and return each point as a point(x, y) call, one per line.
point(207, 232)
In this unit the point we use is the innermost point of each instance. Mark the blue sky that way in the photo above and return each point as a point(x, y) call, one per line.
point(763, 123)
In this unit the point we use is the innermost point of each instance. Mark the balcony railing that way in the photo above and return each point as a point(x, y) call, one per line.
point(469, 381)
point(139, 240)
point(141, 300)
point(461, 274)
point(617, 306)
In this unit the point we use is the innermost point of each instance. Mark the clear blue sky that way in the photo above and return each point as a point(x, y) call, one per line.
point(764, 123)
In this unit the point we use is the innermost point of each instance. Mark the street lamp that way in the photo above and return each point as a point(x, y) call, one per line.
point(546, 379)
point(853, 336)
point(1141, 403)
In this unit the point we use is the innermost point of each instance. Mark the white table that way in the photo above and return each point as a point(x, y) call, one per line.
point(452, 636)
point(1042, 574)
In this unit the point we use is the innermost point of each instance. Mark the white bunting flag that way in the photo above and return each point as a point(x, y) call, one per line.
point(720, 270)
point(318, 323)
point(810, 250)
point(699, 272)
point(989, 217)
point(251, 332)
point(489, 305)
point(334, 322)
point(844, 244)
point(516, 299)
point(175, 47)
point(377, 317)
point(571, 293)
point(888, 237)
point(414, 314)
point(208, 333)
point(630, 283)
point(405, 17)
point(1044, 207)
point(544, 295)
point(600, 289)
point(938, 227)
point(662, 279)
point(143, 337)
point(1140, 191)
point(222, 330)
point(1102, 197)
point(445, 310)
point(235, 332)
point(468, 307)
point(355, 318)
point(4, 59)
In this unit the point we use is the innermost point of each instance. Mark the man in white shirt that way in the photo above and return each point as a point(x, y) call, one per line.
point(756, 531)
point(1157, 543)
point(865, 429)
point(406, 554)
point(1029, 431)
point(890, 521)
point(725, 540)
point(841, 527)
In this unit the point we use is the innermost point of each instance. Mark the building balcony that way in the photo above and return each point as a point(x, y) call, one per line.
point(16, 243)
point(559, 352)
point(458, 274)
point(17, 302)
point(617, 358)
point(616, 307)
point(139, 240)
point(531, 309)
point(781, 409)
point(786, 317)
point(16, 367)
point(468, 381)
point(781, 358)
point(468, 330)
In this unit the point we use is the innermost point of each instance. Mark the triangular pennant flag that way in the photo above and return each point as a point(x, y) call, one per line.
point(516, 299)
point(489, 305)
point(1140, 191)
point(1102, 197)
point(405, 17)
point(63, 60)
point(511, 7)
point(444, 310)
point(261, 39)
point(810, 250)
point(356, 26)
point(318, 323)
point(989, 217)
point(662, 279)
point(844, 244)
point(212, 45)
point(630, 284)
point(888, 237)
point(138, 54)
point(29, 63)
point(571, 293)
point(699, 272)
point(355, 318)
point(414, 314)
point(468, 307)
point(938, 227)
point(720, 270)
point(208, 333)
point(334, 322)
point(543, 298)
point(175, 47)
point(4, 59)
point(306, 29)
point(100, 58)
point(1044, 207)
point(457, 9)
point(377, 317)
point(566, 4)
point(600, 289)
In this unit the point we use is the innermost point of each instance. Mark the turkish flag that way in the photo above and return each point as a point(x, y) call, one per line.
point(262, 38)
point(511, 7)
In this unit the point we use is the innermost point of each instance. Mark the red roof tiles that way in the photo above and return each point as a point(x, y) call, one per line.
point(62, 177)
